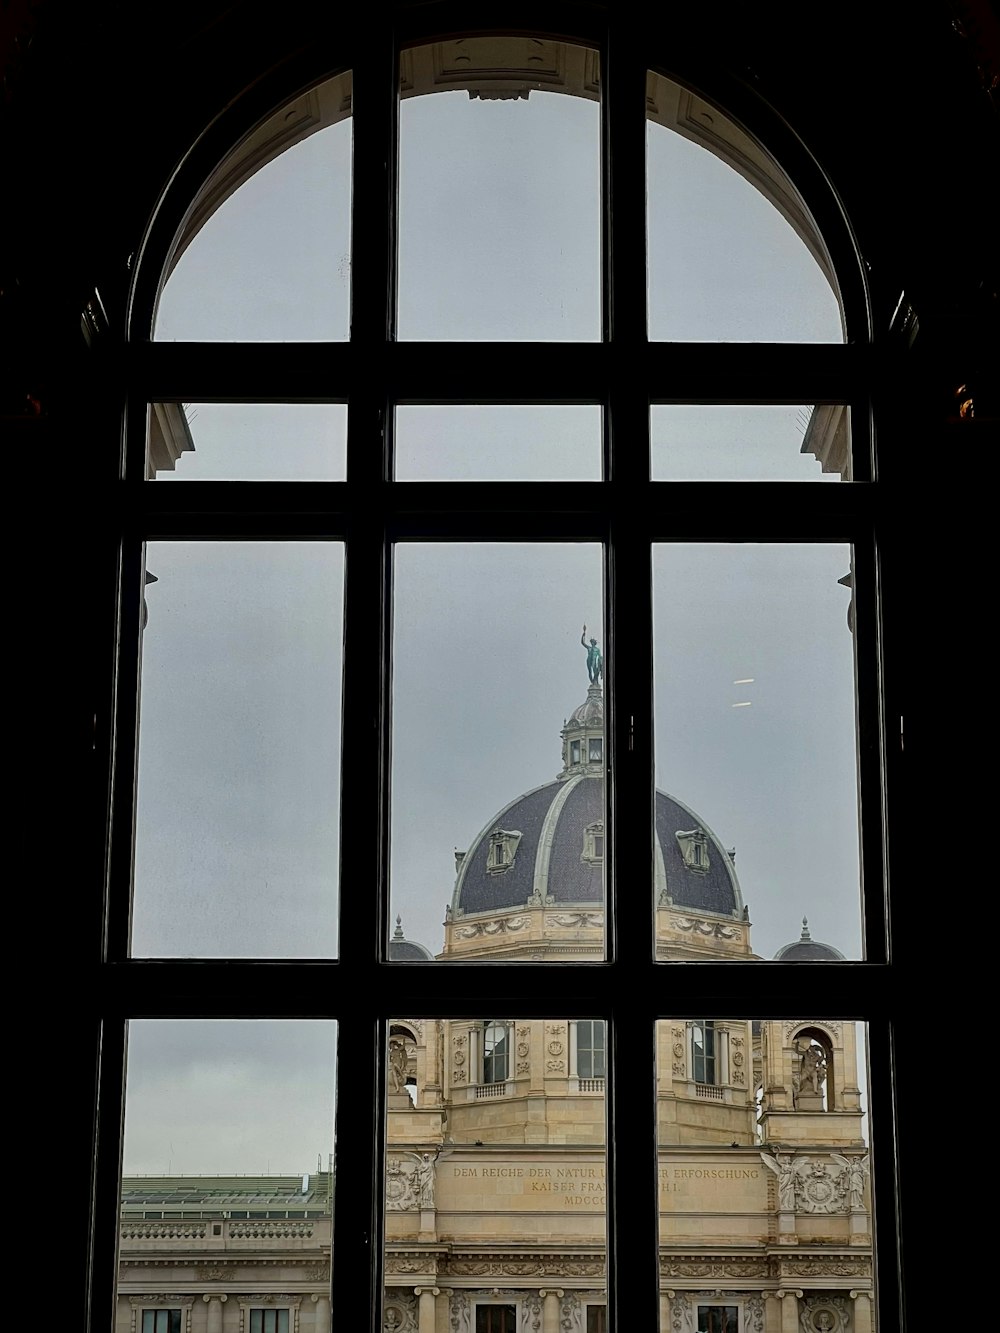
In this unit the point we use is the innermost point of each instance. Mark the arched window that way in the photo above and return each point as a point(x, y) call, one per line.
point(300, 361)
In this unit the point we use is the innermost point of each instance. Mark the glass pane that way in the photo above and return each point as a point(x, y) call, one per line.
point(227, 1179)
point(755, 731)
point(734, 255)
point(495, 1191)
point(497, 752)
point(247, 442)
point(265, 253)
point(237, 843)
point(498, 443)
point(738, 442)
point(499, 191)
point(767, 1153)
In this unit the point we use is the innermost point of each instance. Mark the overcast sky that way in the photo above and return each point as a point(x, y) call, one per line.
point(237, 836)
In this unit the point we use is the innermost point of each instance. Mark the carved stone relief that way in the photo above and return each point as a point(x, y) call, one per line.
point(714, 929)
point(498, 926)
point(681, 1317)
point(570, 1313)
point(809, 1186)
point(568, 920)
point(531, 1312)
point(824, 1024)
point(459, 1312)
point(409, 1182)
point(825, 1314)
point(399, 1311)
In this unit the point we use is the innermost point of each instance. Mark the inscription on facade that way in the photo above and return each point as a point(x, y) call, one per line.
point(577, 1186)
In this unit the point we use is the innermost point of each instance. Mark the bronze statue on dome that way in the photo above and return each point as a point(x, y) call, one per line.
point(595, 660)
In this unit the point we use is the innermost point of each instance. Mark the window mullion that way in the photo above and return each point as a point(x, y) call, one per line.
point(632, 1272)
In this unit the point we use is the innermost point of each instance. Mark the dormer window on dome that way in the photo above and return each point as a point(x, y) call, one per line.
point(694, 849)
point(593, 843)
point(501, 850)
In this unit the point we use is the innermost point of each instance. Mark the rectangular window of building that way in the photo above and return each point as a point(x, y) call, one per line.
point(590, 1048)
point(718, 1319)
point(268, 1321)
point(496, 1319)
point(161, 1321)
point(597, 1318)
point(703, 1051)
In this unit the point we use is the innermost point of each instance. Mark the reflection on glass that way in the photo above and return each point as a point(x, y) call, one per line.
point(498, 780)
point(734, 255)
point(495, 1164)
point(227, 1180)
point(498, 443)
point(247, 442)
point(239, 750)
point(763, 1144)
point(755, 738)
point(739, 442)
point(265, 253)
point(499, 191)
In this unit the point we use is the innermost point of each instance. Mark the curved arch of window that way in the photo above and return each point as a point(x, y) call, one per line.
point(264, 251)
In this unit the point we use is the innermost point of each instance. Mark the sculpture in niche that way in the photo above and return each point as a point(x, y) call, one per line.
point(398, 1061)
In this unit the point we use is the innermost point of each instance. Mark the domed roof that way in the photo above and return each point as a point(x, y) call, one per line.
point(402, 950)
point(547, 846)
point(807, 950)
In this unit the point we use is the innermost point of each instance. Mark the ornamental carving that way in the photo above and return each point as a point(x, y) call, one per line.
point(592, 1268)
point(555, 1066)
point(458, 1076)
point(522, 1049)
point(409, 1182)
point(570, 1313)
point(680, 1314)
point(523, 1067)
point(556, 1029)
point(531, 1312)
point(753, 1314)
point(575, 919)
point(458, 1311)
point(824, 1024)
point(401, 1263)
point(524, 1032)
point(824, 1314)
point(318, 1273)
point(555, 1048)
point(808, 1186)
point(214, 1273)
point(826, 1268)
point(399, 1312)
point(752, 1268)
point(501, 926)
point(716, 929)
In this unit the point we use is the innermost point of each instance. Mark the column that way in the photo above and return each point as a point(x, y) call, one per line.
point(550, 1309)
point(214, 1303)
point(790, 1310)
point(323, 1314)
point(862, 1311)
point(426, 1306)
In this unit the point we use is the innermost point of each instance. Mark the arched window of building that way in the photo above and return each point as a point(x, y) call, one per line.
point(346, 309)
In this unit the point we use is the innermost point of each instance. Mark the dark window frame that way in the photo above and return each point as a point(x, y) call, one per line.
point(369, 511)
